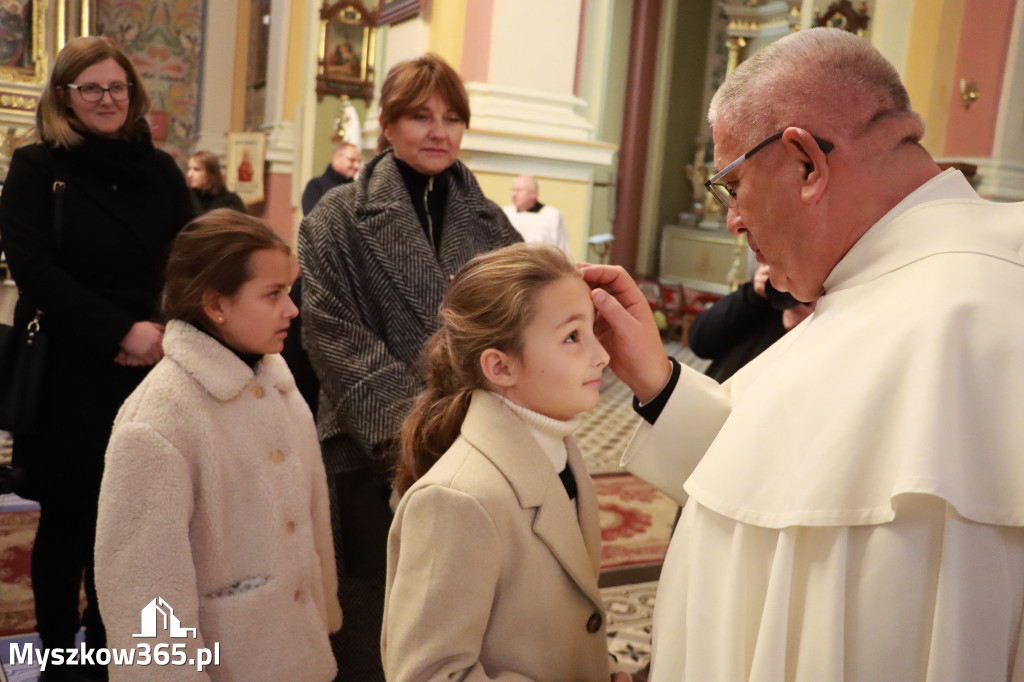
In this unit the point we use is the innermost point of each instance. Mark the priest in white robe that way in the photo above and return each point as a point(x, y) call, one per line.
point(537, 222)
point(854, 497)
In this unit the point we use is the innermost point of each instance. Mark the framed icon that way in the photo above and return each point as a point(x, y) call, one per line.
point(347, 49)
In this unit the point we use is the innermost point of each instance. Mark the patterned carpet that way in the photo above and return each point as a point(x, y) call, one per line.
point(636, 522)
point(17, 530)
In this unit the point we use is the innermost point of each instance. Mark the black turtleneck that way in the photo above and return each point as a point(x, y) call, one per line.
point(250, 359)
point(429, 195)
point(537, 206)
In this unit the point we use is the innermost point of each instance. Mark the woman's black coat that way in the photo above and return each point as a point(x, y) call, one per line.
point(123, 204)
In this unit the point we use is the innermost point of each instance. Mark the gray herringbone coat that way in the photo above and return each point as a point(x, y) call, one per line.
point(372, 284)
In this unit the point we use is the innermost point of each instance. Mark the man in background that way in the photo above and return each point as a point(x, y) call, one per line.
point(343, 167)
point(740, 326)
point(535, 221)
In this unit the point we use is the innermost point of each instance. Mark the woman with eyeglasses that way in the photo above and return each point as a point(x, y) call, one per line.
point(88, 213)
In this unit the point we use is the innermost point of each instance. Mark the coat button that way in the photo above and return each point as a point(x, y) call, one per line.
point(258, 391)
point(291, 526)
point(594, 623)
point(277, 456)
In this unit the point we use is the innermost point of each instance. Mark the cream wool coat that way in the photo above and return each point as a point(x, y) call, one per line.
point(490, 574)
point(856, 507)
point(214, 499)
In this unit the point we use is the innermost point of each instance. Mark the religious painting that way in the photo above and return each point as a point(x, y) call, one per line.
point(394, 11)
point(22, 44)
point(244, 171)
point(347, 49)
point(164, 40)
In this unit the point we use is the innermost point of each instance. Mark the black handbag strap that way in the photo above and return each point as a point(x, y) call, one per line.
point(58, 230)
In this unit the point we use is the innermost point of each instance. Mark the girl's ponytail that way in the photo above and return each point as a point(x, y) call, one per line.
point(433, 424)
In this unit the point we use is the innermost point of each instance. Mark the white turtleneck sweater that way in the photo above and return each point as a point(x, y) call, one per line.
point(550, 433)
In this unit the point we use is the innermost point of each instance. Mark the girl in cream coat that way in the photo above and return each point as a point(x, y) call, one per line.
point(494, 553)
point(214, 498)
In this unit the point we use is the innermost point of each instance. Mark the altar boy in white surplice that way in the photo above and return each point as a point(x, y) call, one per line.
point(855, 495)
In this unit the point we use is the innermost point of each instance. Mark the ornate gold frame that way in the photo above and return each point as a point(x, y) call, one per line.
point(74, 18)
point(351, 15)
point(35, 74)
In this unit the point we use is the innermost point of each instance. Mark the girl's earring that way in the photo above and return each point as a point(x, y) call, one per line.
point(220, 320)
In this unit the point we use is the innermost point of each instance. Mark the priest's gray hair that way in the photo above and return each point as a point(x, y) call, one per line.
point(825, 80)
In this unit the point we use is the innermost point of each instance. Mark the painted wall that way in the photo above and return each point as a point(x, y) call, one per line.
point(981, 58)
point(687, 118)
point(163, 38)
point(567, 196)
point(931, 58)
point(606, 100)
point(548, 62)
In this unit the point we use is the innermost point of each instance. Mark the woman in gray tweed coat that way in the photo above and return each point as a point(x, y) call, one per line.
point(377, 255)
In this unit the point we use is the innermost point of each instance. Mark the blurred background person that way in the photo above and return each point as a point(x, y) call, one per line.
point(206, 182)
point(344, 165)
point(738, 327)
point(96, 271)
point(377, 256)
point(535, 221)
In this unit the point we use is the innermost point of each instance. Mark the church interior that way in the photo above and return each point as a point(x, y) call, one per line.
point(604, 102)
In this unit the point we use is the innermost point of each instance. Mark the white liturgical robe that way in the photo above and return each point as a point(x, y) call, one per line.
point(546, 225)
point(855, 509)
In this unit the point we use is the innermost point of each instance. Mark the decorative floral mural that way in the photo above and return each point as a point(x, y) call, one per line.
point(163, 38)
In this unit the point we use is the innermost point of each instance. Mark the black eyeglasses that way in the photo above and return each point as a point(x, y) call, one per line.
point(723, 193)
point(119, 92)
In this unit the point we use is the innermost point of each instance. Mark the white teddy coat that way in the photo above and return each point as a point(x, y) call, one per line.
point(214, 499)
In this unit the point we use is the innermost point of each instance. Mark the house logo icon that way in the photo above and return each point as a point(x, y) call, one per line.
point(158, 615)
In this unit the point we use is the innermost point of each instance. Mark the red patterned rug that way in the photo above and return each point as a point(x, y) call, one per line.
point(636, 521)
point(17, 531)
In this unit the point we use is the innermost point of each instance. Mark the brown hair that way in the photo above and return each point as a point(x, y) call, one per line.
point(212, 253)
point(408, 86)
point(488, 305)
point(56, 122)
point(214, 176)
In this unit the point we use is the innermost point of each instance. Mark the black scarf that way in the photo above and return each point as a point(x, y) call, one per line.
point(123, 163)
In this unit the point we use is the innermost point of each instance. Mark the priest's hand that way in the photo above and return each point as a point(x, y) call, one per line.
point(625, 327)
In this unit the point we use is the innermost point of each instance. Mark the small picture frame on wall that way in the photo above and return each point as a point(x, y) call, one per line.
point(244, 172)
point(394, 11)
point(346, 50)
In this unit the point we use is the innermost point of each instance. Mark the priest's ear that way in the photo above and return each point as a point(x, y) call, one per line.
point(500, 369)
point(807, 151)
